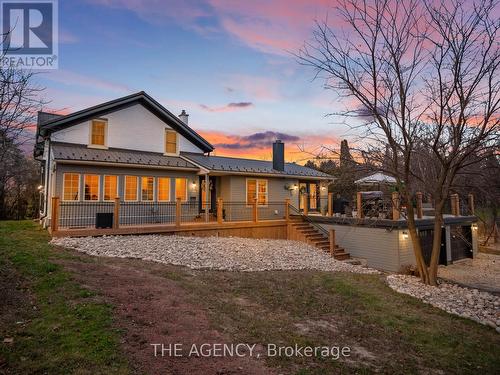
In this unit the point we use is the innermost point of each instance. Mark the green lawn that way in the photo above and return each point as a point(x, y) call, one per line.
point(71, 331)
point(64, 331)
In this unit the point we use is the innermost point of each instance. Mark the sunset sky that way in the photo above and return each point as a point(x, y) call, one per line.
point(227, 63)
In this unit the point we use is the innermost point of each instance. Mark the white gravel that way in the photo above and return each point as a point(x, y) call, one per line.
point(217, 253)
point(481, 307)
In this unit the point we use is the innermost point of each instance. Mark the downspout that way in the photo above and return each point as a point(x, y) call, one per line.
point(46, 187)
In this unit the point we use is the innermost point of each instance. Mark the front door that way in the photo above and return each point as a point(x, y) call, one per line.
point(310, 189)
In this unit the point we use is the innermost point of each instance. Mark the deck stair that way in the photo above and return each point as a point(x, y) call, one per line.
point(301, 230)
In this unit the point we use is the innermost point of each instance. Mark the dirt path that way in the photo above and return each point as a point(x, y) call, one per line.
point(152, 309)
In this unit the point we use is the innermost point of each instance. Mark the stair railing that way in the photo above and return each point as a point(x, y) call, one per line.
point(295, 211)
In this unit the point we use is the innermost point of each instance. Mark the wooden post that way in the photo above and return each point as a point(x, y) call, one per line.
point(178, 212)
point(255, 213)
point(54, 222)
point(305, 204)
point(219, 210)
point(395, 206)
point(332, 241)
point(287, 209)
point(471, 204)
point(116, 214)
point(359, 204)
point(420, 211)
point(330, 204)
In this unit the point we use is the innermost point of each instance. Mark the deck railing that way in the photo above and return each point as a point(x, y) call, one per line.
point(117, 213)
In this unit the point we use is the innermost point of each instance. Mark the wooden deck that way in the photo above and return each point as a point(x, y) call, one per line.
point(274, 229)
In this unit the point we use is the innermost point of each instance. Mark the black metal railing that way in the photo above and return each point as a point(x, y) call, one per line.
point(237, 211)
point(271, 211)
point(141, 213)
point(295, 211)
point(82, 214)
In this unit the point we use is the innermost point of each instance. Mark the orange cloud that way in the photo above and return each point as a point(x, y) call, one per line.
point(298, 148)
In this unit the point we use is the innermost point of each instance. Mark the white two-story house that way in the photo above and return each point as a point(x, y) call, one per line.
point(134, 149)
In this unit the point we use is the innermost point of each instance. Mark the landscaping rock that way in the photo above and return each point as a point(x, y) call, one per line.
point(479, 306)
point(218, 253)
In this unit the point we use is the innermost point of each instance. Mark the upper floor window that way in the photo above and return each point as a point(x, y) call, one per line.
point(170, 141)
point(98, 133)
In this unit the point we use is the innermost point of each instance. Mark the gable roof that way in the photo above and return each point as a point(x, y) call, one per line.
point(231, 165)
point(81, 153)
point(57, 123)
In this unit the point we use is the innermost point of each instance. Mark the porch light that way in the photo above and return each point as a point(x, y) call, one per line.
point(193, 185)
point(295, 186)
point(405, 235)
point(474, 226)
point(40, 187)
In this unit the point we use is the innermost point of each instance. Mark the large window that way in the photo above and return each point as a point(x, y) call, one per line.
point(130, 188)
point(98, 133)
point(91, 192)
point(71, 186)
point(170, 142)
point(110, 187)
point(163, 189)
point(147, 188)
point(257, 189)
point(181, 188)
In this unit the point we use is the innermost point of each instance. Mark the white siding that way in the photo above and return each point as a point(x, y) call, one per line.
point(133, 128)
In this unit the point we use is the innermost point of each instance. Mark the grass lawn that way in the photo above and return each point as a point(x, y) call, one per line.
point(73, 329)
point(56, 326)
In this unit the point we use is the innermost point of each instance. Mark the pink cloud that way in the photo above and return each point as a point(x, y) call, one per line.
point(274, 27)
point(228, 107)
point(71, 78)
point(263, 88)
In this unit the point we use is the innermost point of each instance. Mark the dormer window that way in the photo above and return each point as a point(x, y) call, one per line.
point(98, 130)
point(170, 141)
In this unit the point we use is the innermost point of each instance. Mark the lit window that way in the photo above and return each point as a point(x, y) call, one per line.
point(170, 142)
point(110, 187)
point(163, 189)
point(71, 186)
point(257, 189)
point(91, 182)
point(98, 134)
point(147, 188)
point(130, 188)
point(181, 188)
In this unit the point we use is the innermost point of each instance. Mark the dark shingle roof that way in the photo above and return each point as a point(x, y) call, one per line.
point(251, 166)
point(76, 152)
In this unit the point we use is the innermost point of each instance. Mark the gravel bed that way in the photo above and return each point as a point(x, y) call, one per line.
point(482, 272)
point(481, 307)
point(217, 253)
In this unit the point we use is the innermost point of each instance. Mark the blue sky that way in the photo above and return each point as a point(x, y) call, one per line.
point(227, 63)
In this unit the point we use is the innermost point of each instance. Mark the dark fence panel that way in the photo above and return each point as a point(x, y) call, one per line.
point(141, 213)
point(82, 214)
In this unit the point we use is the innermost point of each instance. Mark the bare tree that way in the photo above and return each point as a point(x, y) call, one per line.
point(19, 102)
point(424, 76)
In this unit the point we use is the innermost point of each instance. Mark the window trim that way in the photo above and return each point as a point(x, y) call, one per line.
point(140, 190)
point(165, 142)
point(125, 189)
point(104, 187)
point(187, 184)
point(98, 187)
point(169, 184)
point(90, 144)
point(79, 188)
point(257, 191)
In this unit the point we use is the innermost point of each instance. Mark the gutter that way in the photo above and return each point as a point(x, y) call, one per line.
point(142, 166)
